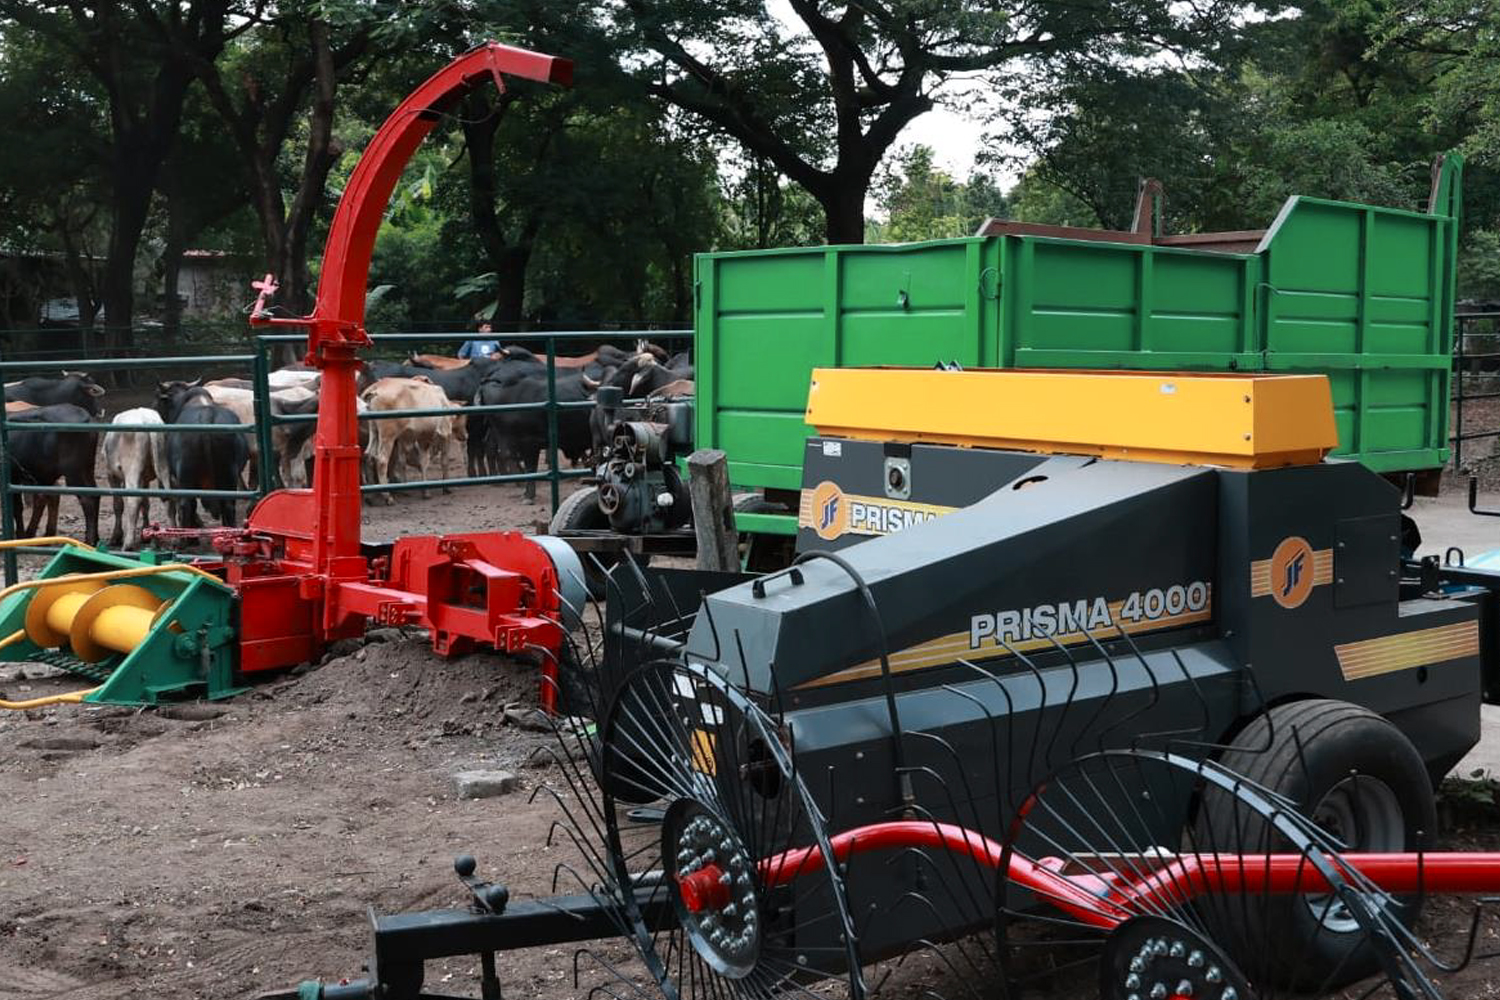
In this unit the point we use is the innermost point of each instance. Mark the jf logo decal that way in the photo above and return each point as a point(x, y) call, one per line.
point(1291, 572)
point(830, 511)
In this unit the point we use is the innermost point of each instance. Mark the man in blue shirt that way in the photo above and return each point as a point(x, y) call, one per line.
point(480, 348)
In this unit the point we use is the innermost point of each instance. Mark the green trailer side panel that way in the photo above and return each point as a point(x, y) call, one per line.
point(1363, 295)
point(1360, 293)
point(1081, 304)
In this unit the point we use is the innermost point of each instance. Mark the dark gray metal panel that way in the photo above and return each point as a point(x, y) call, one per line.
point(1135, 526)
point(1367, 560)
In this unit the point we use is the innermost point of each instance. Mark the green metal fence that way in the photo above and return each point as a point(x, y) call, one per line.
point(259, 367)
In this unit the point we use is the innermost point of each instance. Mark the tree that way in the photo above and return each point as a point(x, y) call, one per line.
point(761, 208)
point(141, 55)
point(50, 197)
point(824, 113)
point(290, 66)
point(921, 202)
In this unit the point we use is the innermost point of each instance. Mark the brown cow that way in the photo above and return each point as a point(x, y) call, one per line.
point(439, 361)
point(417, 440)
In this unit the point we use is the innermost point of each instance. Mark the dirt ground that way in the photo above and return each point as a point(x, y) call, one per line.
point(232, 849)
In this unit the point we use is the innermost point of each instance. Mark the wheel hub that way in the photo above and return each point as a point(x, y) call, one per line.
point(716, 902)
point(1153, 958)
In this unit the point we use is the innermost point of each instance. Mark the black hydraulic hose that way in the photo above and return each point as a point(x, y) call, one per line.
point(898, 745)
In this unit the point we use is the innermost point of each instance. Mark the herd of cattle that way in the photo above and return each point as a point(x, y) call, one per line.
point(496, 443)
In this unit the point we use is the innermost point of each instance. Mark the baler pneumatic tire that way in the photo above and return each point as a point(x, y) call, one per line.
point(1357, 777)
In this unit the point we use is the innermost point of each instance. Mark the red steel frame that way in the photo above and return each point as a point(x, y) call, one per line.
point(302, 576)
point(1107, 902)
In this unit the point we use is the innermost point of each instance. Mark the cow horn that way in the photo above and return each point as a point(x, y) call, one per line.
point(589, 383)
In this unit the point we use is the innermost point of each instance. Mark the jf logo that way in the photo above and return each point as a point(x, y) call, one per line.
point(830, 512)
point(1291, 572)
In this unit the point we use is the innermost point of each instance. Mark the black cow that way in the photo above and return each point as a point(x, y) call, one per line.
point(200, 461)
point(521, 435)
point(75, 388)
point(653, 377)
point(458, 384)
point(41, 458)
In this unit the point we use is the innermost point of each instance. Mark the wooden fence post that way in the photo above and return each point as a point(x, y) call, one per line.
point(713, 510)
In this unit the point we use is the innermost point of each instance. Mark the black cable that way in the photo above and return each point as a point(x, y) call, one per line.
point(898, 747)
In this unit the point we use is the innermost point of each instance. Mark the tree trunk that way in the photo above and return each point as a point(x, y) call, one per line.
point(510, 291)
point(844, 211)
point(322, 152)
point(80, 279)
point(134, 184)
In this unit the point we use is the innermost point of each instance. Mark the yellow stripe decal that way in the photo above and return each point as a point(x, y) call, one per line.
point(955, 646)
point(1389, 653)
point(1260, 573)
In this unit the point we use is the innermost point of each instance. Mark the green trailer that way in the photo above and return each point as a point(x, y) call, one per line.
point(1360, 293)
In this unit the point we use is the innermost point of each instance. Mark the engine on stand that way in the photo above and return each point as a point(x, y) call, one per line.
point(640, 488)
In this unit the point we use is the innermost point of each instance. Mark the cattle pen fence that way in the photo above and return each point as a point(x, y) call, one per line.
point(258, 366)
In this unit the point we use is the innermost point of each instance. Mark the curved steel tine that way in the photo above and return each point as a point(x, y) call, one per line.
point(992, 725)
point(919, 899)
point(1128, 717)
point(935, 775)
point(1041, 684)
point(1002, 793)
point(1114, 688)
point(1166, 736)
point(609, 967)
point(982, 908)
point(926, 946)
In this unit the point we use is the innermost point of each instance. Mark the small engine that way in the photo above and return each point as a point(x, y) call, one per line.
point(640, 488)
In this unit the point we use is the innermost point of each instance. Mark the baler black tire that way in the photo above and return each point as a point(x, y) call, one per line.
point(1305, 751)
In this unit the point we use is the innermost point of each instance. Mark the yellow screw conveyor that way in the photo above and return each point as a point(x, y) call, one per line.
point(140, 631)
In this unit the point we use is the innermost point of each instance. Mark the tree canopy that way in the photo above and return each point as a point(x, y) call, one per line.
point(153, 128)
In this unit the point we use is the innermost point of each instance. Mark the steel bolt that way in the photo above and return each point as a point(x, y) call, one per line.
point(1195, 960)
point(1184, 989)
point(1159, 991)
point(1132, 982)
point(1177, 950)
point(1137, 964)
point(1230, 993)
point(1213, 974)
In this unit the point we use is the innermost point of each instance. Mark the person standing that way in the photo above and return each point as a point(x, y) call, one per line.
point(480, 348)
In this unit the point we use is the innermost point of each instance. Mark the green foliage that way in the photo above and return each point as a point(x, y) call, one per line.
point(748, 123)
point(921, 202)
point(1479, 266)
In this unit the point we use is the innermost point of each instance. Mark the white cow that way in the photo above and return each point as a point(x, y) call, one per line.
point(133, 460)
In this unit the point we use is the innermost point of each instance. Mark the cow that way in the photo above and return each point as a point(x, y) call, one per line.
point(229, 383)
point(416, 440)
point(651, 379)
point(284, 378)
point(75, 388)
point(521, 435)
point(132, 460)
point(203, 461)
point(41, 458)
point(295, 451)
point(17, 406)
point(437, 361)
point(672, 390)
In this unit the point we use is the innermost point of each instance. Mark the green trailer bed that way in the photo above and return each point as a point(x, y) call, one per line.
point(1359, 293)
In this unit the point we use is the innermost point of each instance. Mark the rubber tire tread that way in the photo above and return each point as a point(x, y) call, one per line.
point(579, 511)
point(1276, 768)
